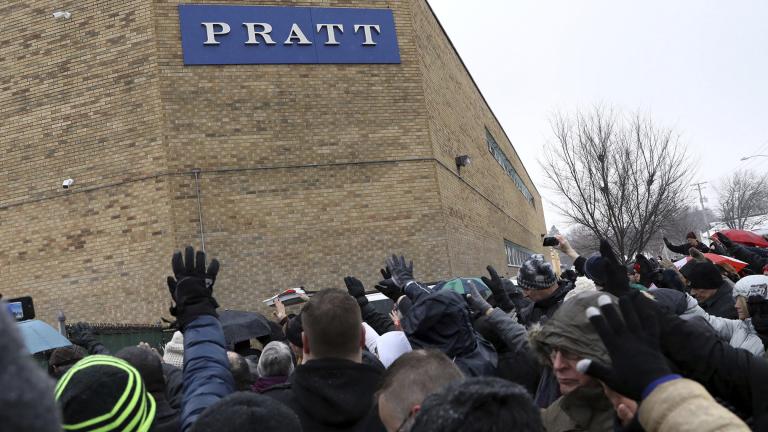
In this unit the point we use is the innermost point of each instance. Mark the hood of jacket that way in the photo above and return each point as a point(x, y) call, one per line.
point(335, 392)
point(441, 320)
point(570, 330)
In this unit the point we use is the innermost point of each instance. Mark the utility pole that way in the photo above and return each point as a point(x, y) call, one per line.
point(701, 200)
point(701, 197)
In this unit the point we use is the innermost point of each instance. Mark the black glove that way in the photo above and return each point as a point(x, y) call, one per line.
point(476, 302)
point(356, 290)
point(666, 242)
point(402, 273)
point(616, 279)
point(389, 289)
point(82, 334)
point(193, 288)
point(634, 348)
point(497, 288)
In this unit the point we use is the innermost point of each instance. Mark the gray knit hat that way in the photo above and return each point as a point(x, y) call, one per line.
point(536, 274)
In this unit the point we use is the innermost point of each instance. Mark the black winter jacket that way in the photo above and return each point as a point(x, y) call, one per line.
point(532, 313)
point(332, 395)
point(684, 248)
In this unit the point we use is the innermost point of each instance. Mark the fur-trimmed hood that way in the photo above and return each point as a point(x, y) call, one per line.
point(570, 330)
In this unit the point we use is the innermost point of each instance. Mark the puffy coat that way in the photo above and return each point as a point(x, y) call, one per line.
point(683, 405)
point(738, 333)
point(206, 369)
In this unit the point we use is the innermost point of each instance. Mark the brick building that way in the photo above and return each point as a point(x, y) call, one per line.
point(291, 174)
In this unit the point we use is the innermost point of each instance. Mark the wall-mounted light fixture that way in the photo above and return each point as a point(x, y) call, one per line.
point(62, 14)
point(462, 161)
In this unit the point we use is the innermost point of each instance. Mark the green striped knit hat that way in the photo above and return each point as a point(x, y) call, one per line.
point(102, 394)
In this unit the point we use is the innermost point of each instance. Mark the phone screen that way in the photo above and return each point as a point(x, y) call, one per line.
point(16, 310)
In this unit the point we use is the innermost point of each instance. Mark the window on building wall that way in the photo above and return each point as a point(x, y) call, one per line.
point(516, 254)
point(502, 159)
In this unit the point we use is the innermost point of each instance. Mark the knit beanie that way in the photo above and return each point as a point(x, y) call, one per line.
point(174, 351)
point(104, 393)
point(244, 411)
point(691, 235)
point(594, 270)
point(536, 274)
point(702, 275)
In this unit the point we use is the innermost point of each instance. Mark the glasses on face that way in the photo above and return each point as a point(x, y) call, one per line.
point(405, 426)
point(564, 354)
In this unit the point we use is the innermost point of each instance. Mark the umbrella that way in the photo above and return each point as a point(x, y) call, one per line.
point(746, 238)
point(241, 325)
point(39, 336)
point(463, 286)
point(738, 265)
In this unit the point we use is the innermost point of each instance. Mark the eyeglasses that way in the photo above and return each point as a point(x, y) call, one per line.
point(564, 354)
point(411, 414)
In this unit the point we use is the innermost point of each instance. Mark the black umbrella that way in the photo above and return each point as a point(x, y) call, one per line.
point(241, 325)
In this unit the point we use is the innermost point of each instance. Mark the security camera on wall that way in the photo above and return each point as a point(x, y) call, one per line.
point(66, 184)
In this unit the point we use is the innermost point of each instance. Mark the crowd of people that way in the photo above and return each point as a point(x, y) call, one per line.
point(650, 346)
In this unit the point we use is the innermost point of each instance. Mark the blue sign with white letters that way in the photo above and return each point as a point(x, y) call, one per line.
point(217, 34)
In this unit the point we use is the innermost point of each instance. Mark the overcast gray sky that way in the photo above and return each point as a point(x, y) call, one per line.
point(699, 66)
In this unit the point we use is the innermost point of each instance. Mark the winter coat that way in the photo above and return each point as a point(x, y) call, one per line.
point(683, 405)
point(332, 395)
point(722, 303)
point(754, 256)
point(441, 320)
point(731, 375)
point(684, 248)
point(739, 333)
point(541, 310)
point(584, 409)
point(206, 369)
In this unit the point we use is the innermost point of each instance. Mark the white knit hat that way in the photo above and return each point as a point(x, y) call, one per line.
point(755, 285)
point(173, 353)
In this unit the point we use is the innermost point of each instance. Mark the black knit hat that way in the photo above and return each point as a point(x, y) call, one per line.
point(104, 393)
point(244, 411)
point(536, 274)
point(703, 275)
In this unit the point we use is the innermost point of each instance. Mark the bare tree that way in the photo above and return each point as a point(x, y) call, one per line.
point(744, 200)
point(622, 177)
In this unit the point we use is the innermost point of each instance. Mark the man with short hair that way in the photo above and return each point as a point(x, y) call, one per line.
point(332, 390)
point(408, 381)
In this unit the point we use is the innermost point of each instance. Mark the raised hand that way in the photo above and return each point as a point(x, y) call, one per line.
point(497, 288)
point(634, 349)
point(192, 287)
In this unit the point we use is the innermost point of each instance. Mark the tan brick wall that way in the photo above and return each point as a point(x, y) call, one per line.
point(482, 205)
point(308, 173)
